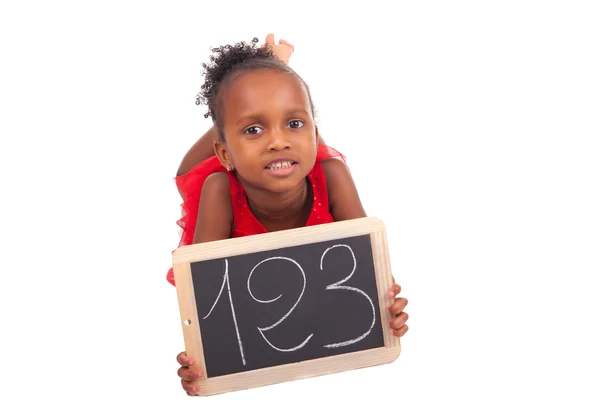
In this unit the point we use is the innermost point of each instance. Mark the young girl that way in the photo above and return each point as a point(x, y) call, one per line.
point(269, 172)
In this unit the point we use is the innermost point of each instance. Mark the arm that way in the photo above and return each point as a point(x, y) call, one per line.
point(215, 216)
point(344, 202)
point(213, 223)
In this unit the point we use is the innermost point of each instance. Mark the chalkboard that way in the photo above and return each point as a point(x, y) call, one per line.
point(286, 305)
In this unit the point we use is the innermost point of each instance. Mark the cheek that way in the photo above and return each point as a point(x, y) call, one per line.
point(243, 156)
point(310, 146)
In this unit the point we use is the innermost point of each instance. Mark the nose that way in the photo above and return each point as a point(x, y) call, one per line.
point(278, 140)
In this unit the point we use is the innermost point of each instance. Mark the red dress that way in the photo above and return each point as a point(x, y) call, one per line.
point(244, 221)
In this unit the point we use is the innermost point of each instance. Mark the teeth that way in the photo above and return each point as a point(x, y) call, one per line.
point(285, 164)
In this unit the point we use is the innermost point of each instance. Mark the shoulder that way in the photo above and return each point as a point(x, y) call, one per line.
point(216, 183)
point(214, 209)
point(191, 183)
point(334, 167)
point(344, 201)
point(215, 190)
point(337, 176)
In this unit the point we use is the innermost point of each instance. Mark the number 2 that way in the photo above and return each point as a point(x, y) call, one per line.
point(261, 330)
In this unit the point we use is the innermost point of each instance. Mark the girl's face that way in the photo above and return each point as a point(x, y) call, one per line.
point(270, 135)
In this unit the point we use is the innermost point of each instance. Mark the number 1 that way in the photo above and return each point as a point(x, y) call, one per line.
point(237, 331)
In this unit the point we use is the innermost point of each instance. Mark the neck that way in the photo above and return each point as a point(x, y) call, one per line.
point(281, 206)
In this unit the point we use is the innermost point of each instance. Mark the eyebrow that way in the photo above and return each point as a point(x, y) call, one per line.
point(258, 116)
point(245, 117)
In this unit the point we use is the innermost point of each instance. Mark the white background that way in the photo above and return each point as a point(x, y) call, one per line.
point(482, 117)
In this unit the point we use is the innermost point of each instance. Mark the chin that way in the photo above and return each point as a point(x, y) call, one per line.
point(283, 186)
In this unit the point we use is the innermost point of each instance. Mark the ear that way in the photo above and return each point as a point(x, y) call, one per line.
point(222, 153)
point(317, 137)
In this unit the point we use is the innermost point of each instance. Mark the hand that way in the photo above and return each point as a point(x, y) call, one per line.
point(283, 50)
point(190, 378)
point(397, 321)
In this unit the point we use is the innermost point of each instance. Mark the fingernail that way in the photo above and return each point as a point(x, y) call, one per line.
point(388, 309)
point(392, 331)
point(195, 388)
point(199, 373)
point(192, 362)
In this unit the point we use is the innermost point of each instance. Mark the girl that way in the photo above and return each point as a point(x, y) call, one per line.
point(269, 172)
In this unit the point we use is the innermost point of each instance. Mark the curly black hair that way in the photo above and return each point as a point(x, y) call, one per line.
point(229, 61)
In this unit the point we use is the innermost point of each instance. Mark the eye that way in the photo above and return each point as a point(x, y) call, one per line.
point(295, 124)
point(253, 130)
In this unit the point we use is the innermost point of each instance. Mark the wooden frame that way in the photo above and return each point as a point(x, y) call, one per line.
point(184, 256)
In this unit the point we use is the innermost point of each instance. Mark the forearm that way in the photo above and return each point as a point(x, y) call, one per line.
point(201, 150)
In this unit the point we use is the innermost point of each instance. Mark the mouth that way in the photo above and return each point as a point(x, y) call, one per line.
point(281, 167)
point(275, 165)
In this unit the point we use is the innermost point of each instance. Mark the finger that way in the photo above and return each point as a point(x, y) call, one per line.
point(189, 374)
point(394, 291)
point(184, 360)
point(270, 40)
point(400, 332)
point(191, 388)
point(399, 321)
point(398, 306)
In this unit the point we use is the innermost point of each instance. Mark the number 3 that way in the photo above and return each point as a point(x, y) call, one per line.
point(336, 286)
